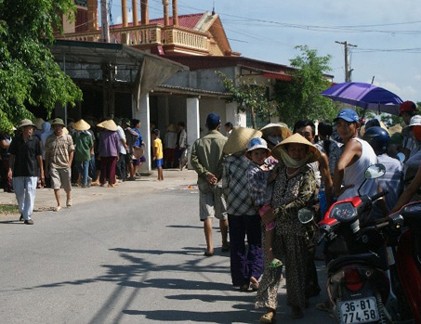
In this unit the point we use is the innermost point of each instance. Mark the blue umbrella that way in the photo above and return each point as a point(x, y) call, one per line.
point(366, 96)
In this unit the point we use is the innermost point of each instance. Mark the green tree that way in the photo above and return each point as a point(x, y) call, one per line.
point(250, 97)
point(29, 75)
point(301, 98)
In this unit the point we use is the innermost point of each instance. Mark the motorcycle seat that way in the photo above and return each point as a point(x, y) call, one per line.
point(368, 259)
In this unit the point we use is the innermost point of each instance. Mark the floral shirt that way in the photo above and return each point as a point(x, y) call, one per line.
point(290, 194)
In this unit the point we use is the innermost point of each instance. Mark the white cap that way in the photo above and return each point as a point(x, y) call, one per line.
point(257, 143)
point(415, 121)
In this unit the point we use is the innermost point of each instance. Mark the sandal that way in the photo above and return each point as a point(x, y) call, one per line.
point(324, 307)
point(225, 247)
point(254, 284)
point(275, 263)
point(269, 317)
point(208, 254)
point(245, 287)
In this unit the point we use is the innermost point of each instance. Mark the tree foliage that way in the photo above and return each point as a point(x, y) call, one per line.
point(250, 97)
point(301, 98)
point(29, 75)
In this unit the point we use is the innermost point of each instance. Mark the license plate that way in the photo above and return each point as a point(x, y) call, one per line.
point(359, 310)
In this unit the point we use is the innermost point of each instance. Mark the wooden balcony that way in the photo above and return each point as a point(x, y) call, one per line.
point(171, 37)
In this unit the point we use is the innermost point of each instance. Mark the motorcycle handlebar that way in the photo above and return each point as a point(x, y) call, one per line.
point(322, 237)
point(379, 195)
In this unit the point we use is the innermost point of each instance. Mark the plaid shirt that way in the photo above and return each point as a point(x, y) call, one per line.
point(258, 185)
point(235, 185)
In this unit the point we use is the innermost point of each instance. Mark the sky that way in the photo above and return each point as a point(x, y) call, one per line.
point(386, 34)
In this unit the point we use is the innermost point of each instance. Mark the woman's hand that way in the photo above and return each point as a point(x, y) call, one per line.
point(268, 216)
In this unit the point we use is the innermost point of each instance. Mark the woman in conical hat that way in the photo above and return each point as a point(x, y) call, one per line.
point(108, 149)
point(294, 188)
point(84, 146)
point(275, 133)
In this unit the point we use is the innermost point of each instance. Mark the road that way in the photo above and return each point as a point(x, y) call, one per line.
point(133, 254)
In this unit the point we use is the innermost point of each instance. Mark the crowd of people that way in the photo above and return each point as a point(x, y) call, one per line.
point(253, 181)
point(256, 181)
point(83, 153)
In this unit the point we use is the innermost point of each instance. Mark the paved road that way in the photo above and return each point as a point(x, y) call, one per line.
point(133, 254)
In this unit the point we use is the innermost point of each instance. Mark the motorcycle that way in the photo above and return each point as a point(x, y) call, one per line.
point(407, 254)
point(358, 285)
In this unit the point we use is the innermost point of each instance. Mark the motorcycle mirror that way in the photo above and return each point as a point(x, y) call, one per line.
point(372, 172)
point(305, 215)
point(375, 171)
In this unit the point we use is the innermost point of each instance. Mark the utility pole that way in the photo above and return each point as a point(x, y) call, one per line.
point(348, 71)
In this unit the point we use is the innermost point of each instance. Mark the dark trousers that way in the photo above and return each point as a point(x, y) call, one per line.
point(108, 169)
point(245, 262)
point(121, 167)
point(92, 168)
point(312, 280)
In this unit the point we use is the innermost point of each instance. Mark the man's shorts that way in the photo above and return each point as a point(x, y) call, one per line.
point(212, 204)
point(61, 178)
point(159, 163)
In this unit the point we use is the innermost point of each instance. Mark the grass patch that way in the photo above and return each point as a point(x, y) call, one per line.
point(8, 209)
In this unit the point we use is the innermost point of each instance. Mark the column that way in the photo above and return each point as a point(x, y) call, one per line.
point(174, 13)
point(193, 119)
point(143, 114)
point(144, 12)
point(232, 115)
point(134, 13)
point(166, 18)
point(124, 12)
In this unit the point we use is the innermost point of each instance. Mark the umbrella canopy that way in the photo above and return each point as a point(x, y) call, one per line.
point(365, 95)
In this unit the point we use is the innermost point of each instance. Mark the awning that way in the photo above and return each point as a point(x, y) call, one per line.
point(114, 62)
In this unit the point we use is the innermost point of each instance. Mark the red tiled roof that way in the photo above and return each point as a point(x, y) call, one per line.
point(186, 21)
point(271, 70)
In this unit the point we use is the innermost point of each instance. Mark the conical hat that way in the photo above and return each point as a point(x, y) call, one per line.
point(108, 124)
point(276, 129)
point(298, 139)
point(81, 125)
point(239, 138)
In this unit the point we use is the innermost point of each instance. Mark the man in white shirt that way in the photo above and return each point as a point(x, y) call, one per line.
point(357, 156)
point(122, 151)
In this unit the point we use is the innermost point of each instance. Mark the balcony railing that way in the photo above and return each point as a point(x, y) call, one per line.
point(147, 35)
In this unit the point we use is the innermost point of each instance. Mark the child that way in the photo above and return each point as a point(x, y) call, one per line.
point(260, 189)
point(158, 153)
